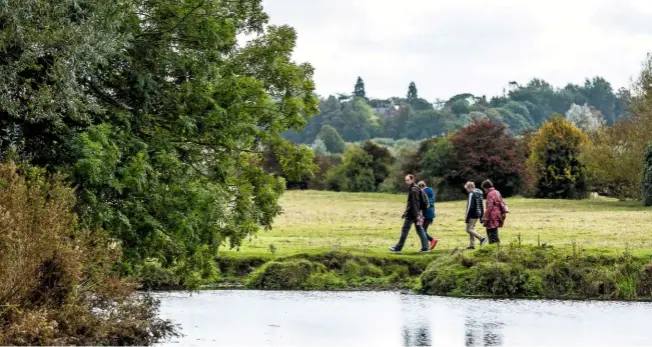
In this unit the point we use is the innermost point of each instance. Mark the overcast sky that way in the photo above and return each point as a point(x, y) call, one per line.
point(453, 46)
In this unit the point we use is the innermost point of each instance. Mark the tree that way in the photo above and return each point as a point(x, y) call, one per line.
point(584, 118)
point(319, 147)
point(425, 124)
point(460, 107)
point(356, 173)
point(358, 90)
point(332, 139)
point(484, 150)
point(382, 161)
point(158, 115)
point(622, 107)
point(612, 159)
point(555, 160)
point(358, 121)
point(412, 92)
point(647, 177)
point(436, 162)
point(599, 94)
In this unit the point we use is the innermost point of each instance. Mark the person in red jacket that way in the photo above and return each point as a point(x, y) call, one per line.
point(494, 215)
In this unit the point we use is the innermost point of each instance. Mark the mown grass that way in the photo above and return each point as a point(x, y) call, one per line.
point(314, 222)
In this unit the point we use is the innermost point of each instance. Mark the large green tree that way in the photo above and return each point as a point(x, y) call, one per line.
point(158, 115)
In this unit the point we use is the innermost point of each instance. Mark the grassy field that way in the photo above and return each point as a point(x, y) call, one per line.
point(365, 223)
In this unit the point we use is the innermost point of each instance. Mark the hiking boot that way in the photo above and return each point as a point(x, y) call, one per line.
point(470, 247)
point(433, 243)
point(424, 250)
point(483, 241)
point(393, 249)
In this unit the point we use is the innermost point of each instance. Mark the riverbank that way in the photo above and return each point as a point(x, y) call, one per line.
point(509, 271)
point(338, 241)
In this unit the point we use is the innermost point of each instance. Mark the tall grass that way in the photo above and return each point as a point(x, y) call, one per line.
point(57, 286)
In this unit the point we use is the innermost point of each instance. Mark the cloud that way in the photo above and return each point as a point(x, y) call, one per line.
point(449, 47)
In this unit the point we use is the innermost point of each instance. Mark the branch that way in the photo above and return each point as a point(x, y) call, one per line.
point(108, 98)
point(183, 19)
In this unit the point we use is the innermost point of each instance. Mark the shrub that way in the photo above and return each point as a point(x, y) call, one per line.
point(554, 160)
point(284, 275)
point(485, 150)
point(57, 284)
point(324, 164)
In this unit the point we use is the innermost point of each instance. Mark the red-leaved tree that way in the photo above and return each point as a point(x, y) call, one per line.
point(484, 150)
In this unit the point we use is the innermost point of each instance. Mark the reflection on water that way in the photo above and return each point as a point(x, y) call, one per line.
point(257, 318)
point(482, 333)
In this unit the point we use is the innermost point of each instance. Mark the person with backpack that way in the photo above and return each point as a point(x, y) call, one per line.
point(413, 215)
point(495, 212)
point(474, 211)
point(429, 213)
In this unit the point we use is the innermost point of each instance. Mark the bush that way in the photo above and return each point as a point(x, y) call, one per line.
point(647, 177)
point(554, 160)
point(324, 164)
point(284, 275)
point(57, 284)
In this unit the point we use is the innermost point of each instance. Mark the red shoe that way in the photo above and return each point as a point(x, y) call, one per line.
point(433, 243)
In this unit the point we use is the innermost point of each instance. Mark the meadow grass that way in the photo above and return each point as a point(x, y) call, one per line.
point(368, 223)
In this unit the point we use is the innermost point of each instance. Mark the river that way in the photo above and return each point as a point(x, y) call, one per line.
point(274, 318)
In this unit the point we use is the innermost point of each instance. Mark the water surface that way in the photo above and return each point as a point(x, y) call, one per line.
point(269, 318)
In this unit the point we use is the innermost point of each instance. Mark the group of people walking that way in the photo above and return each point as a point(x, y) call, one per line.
point(420, 212)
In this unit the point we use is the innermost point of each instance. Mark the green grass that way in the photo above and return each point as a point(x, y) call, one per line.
point(314, 222)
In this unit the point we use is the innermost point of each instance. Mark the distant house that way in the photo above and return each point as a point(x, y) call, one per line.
point(388, 111)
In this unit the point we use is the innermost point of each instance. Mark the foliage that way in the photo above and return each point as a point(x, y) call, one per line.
point(363, 169)
point(58, 286)
point(319, 147)
point(359, 122)
point(332, 139)
point(484, 150)
point(430, 123)
point(613, 162)
point(157, 114)
point(436, 162)
point(555, 160)
point(584, 118)
point(382, 161)
point(460, 107)
point(324, 164)
point(355, 174)
point(647, 177)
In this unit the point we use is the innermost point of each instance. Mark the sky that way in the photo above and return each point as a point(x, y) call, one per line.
point(449, 47)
